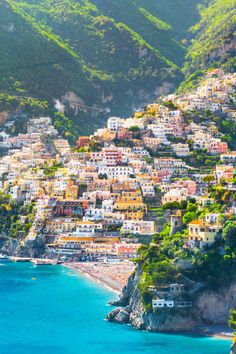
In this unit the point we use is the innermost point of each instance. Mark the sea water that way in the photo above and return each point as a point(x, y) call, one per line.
point(54, 310)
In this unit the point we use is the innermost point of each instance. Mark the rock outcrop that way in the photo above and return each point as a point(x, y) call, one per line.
point(208, 308)
point(3, 117)
point(120, 315)
point(31, 248)
point(233, 348)
point(214, 307)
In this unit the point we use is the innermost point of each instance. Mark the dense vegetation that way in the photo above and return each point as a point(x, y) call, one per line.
point(232, 319)
point(213, 43)
point(15, 219)
point(214, 266)
point(23, 104)
point(109, 53)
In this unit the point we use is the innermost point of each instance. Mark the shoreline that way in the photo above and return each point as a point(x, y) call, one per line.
point(217, 332)
point(105, 282)
point(94, 279)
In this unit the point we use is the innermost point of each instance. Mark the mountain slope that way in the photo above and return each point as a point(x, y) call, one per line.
point(110, 55)
point(214, 42)
point(106, 52)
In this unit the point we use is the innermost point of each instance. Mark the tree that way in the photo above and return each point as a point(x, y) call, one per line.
point(134, 128)
point(229, 234)
point(208, 179)
point(171, 206)
point(188, 217)
point(232, 324)
point(232, 319)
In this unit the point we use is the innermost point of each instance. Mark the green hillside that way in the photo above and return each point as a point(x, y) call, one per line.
point(108, 53)
point(114, 55)
point(214, 42)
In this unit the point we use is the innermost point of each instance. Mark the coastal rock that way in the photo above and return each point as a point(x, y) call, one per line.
point(233, 348)
point(119, 315)
point(115, 303)
point(169, 321)
point(203, 311)
point(31, 248)
point(208, 301)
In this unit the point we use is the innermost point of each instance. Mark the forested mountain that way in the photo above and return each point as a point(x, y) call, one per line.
point(214, 42)
point(105, 51)
point(109, 54)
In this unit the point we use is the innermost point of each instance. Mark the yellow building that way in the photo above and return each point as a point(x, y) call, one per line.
point(130, 201)
point(71, 192)
point(202, 231)
point(134, 215)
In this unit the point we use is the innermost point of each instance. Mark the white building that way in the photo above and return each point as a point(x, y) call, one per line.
point(161, 303)
point(158, 132)
point(107, 205)
point(139, 227)
point(114, 123)
point(229, 158)
point(93, 214)
point(121, 172)
point(181, 149)
point(86, 228)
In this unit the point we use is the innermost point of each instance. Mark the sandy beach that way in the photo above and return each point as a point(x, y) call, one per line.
point(221, 332)
point(113, 276)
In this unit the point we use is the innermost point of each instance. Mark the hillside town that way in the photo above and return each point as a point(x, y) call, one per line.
point(104, 198)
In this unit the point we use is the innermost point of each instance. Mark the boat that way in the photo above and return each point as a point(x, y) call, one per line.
point(38, 261)
point(4, 259)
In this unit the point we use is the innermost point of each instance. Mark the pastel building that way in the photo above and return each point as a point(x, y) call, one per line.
point(203, 231)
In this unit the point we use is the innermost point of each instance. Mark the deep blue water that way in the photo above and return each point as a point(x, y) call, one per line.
point(61, 312)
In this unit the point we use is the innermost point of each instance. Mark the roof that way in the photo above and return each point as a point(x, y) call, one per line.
point(197, 222)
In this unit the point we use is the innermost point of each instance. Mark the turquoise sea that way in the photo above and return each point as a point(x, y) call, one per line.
point(52, 310)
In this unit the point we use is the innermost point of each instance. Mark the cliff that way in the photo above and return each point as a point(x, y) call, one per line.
point(31, 248)
point(3, 117)
point(233, 348)
point(209, 308)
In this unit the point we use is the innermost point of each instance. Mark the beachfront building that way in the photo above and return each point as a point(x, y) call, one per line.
point(126, 250)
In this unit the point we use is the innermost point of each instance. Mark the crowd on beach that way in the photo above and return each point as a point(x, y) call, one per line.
point(114, 275)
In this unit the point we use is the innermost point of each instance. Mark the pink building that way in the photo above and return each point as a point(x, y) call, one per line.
point(219, 147)
point(189, 185)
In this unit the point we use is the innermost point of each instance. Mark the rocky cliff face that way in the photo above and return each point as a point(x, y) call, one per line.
point(34, 248)
point(233, 348)
point(208, 308)
point(3, 117)
point(214, 307)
